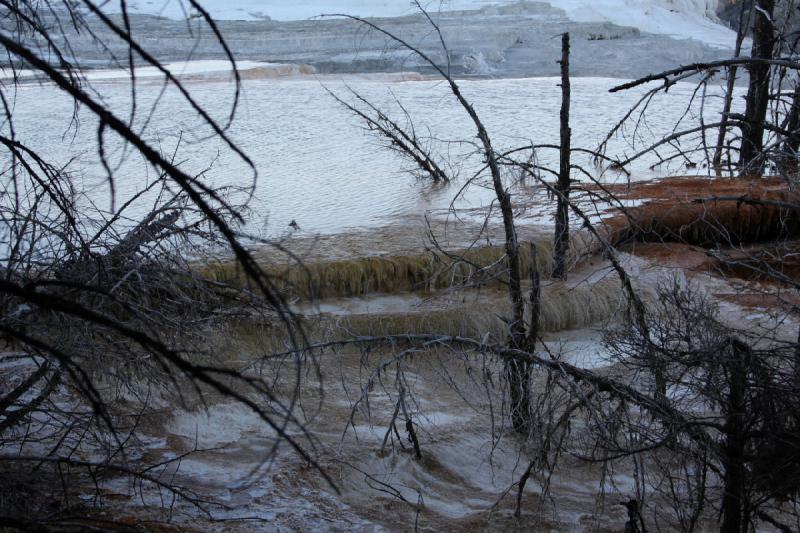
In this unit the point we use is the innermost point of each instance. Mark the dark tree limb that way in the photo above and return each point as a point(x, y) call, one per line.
point(561, 239)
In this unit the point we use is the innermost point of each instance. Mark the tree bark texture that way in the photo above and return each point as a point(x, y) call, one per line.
point(751, 161)
point(561, 244)
point(732, 70)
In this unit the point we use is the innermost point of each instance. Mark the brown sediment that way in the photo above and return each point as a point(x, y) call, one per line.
point(563, 307)
point(688, 210)
point(772, 263)
point(478, 266)
point(684, 188)
point(673, 255)
point(768, 264)
point(670, 228)
point(766, 274)
point(683, 223)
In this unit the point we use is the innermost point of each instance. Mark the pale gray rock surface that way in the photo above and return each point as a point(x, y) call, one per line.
point(508, 41)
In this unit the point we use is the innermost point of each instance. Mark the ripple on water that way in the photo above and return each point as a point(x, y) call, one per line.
point(316, 164)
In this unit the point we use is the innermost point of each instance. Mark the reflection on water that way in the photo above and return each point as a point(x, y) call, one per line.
point(316, 165)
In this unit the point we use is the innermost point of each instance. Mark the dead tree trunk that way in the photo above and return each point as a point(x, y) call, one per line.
point(797, 362)
point(735, 515)
point(535, 300)
point(520, 371)
point(732, 70)
point(105, 269)
point(788, 160)
point(751, 160)
point(561, 244)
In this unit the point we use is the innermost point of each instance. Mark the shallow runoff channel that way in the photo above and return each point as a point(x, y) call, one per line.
point(315, 162)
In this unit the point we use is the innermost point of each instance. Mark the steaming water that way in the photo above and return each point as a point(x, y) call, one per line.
point(316, 164)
